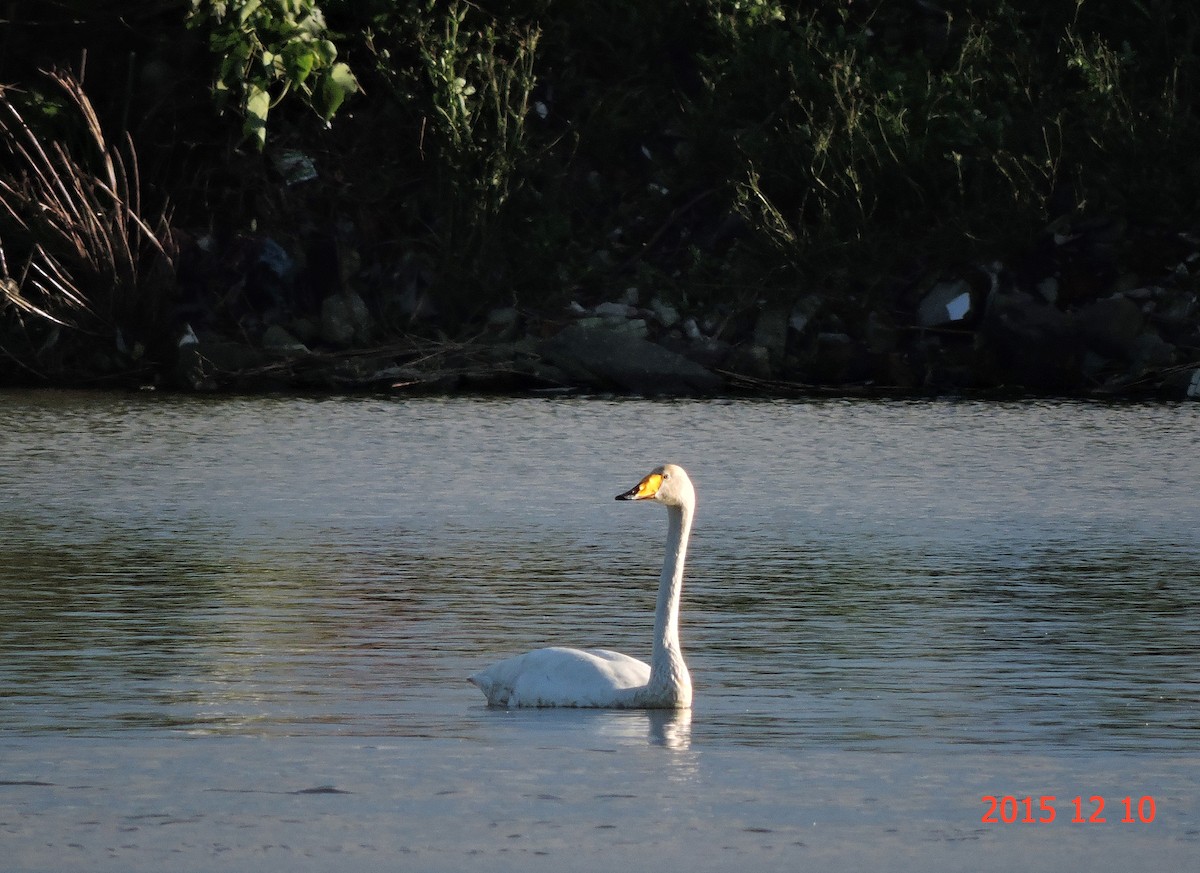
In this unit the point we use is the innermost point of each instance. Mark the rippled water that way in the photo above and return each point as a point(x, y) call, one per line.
point(235, 632)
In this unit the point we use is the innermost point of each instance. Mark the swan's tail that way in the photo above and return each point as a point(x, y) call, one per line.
point(496, 692)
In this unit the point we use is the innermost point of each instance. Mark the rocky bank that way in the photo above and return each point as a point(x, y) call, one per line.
point(1096, 309)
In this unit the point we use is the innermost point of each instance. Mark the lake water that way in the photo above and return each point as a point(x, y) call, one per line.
point(234, 634)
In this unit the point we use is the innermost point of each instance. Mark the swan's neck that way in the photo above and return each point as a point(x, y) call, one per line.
point(667, 668)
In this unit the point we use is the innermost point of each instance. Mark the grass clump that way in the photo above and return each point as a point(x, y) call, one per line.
point(77, 250)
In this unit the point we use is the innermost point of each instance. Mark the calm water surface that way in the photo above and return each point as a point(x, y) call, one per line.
point(233, 633)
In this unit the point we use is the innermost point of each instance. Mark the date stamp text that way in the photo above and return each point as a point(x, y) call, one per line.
point(1084, 810)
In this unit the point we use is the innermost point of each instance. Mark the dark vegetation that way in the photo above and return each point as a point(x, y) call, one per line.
point(218, 169)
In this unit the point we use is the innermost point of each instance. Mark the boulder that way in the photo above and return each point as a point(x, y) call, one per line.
point(946, 303)
point(838, 359)
point(770, 334)
point(503, 322)
point(632, 326)
point(211, 364)
point(751, 360)
point(1176, 316)
point(1110, 326)
point(803, 312)
point(304, 329)
point(345, 320)
point(1048, 288)
point(606, 359)
point(503, 318)
point(664, 313)
point(1034, 344)
point(411, 303)
point(708, 351)
point(276, 339)
point(882, 337)
point(613, 310)
point(1151, 352)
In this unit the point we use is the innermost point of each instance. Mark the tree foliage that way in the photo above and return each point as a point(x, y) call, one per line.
point(268, 49)
point(717, 151)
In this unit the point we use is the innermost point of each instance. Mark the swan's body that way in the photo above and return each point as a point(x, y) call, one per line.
point(600, 678)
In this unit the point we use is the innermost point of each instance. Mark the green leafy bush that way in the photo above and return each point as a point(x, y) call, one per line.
point(268, 49)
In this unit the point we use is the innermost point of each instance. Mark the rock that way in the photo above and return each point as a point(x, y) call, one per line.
point(1110, 326)
point(897, 370)
point(304, 329)
point(345, 320)
point(664, 313)
point(952, 363)
point(1144, 293)
point(1150, 352)
point(276, 339)
point(274, 259)
point(211, 364)
point(504, 317)
point(337, 325)
point(1096, 367)
point(752, 360)
point(1048, 288)
point(513, 365)
point(708, 352)
point(503, 322)
point(547, 375)
point(1193, 388)
point(881, 336)
point(613, 310)
point(770, 334)
point(946, 303)
point(231, 357)
point(633, 326)
point(606, 359)
point(294, 166)
point(836, 359)
point(413, 303)
point(803, 313)
point(1176, 312)
point(1034, 344)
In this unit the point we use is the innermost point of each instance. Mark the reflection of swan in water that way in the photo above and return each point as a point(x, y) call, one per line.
point(669, 728)
point(600, 678)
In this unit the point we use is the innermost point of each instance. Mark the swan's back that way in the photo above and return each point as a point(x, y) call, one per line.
point(562, 677)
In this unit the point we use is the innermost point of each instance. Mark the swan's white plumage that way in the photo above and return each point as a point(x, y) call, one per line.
point(599, 678)
point(539, 678)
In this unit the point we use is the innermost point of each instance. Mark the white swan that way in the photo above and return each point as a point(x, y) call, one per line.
point(600, 678)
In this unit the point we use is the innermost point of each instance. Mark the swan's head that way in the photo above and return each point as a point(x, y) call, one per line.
point(668, 485)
